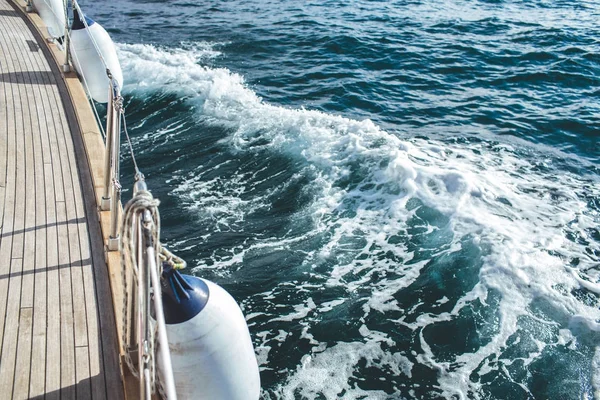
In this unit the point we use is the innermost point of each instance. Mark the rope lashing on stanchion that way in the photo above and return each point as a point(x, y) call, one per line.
point(141, 201)
point(141, 225)
point(174, 261)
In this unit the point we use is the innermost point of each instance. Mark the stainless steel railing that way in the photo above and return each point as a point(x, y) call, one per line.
point(111, 197)
point(141, 242)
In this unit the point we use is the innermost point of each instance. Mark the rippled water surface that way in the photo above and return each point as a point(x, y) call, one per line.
point(404, 196)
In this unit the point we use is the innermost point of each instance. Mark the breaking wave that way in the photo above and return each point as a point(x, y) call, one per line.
point(434, 266)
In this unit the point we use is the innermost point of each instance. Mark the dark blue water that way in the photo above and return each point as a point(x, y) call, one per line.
point(404, 196)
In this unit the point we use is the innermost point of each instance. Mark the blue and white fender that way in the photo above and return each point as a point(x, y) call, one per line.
point(211, 350)
point(88, 62)
point(52, 12)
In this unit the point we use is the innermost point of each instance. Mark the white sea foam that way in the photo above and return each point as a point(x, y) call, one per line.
point(300, 311)
point(502, 201)
point(327, 373)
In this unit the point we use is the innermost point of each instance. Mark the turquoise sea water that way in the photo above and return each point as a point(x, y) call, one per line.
point(404, 196)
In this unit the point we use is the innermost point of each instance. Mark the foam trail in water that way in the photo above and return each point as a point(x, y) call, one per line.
point(521, 212)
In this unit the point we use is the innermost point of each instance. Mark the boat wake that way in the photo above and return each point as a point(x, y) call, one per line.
point(433, 266)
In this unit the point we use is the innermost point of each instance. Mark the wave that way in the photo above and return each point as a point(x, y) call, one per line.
point(395, 221)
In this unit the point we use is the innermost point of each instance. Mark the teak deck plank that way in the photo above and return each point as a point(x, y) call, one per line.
point(73, 218)
point(23, 360)
point(8, 201)
point(38, 346)
point(8, 265)
point(57, 328)
point(67, 340)
point(21, 388)
point(52, 384)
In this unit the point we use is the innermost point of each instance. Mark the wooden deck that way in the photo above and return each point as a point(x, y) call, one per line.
point(57, 327)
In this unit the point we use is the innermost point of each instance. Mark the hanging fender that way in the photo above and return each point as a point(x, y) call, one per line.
point(211, 350)
point(52, 12)
point(88, 63)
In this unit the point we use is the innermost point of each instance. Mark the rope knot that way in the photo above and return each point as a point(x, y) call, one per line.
point(118, 104)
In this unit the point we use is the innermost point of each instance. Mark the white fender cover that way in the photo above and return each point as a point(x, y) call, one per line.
point(212, 353)
point(88, 63)
point(52, 12)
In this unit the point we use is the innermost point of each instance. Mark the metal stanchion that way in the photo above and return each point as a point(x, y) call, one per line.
point(114, 240)
point(105, 203)
point(66, 67)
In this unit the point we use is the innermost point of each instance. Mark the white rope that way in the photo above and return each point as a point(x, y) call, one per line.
point(132, 214)
point(142, 200)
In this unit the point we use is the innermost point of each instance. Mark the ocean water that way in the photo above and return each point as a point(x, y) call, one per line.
point(404, 196)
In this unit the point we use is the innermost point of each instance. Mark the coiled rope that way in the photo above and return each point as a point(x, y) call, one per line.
point(134, 213)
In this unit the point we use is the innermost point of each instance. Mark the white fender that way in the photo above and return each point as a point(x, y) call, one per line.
point(52, 12)
point(212, 353)
point(86, 60)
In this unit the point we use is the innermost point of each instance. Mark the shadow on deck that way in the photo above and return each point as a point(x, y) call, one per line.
point(28, 78)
